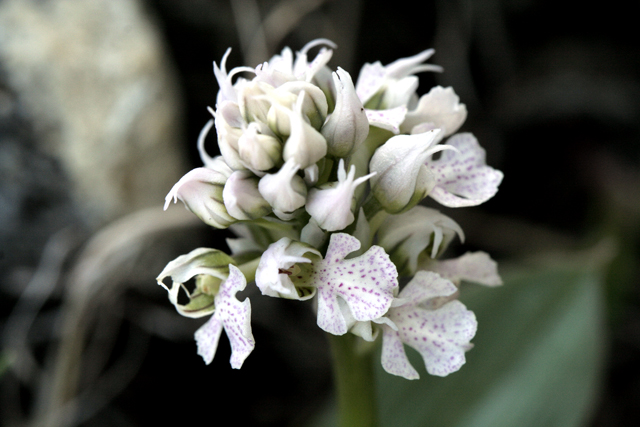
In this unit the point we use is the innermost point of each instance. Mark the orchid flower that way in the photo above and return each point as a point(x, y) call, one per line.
point(440, 335)
point(217, 282)
point(297, 142)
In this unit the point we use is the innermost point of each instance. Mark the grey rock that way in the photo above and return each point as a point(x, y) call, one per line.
point(94, 77)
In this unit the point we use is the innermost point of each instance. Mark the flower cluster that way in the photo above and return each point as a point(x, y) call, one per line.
point(321, 180)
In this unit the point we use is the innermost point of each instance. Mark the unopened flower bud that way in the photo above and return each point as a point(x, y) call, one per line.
point(201, 192)
point(278, 119)
point(402, 178)
point(347, 126)
point(254, 102)
point(305, 145)
point(242, 198)
point(314, 104)
point(229, 123)
point(285, 191)
point(331, 206)
point(258, 151)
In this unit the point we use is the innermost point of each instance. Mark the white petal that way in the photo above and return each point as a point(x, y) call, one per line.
point(387, 119)
point(476, 267)
point(406, 66)
point(441, 336)
point(427, 285)
point(399, 92)
point(441, 107)
point(207, 338)
point(463, 178)
point(394, 358)
point(370, 80)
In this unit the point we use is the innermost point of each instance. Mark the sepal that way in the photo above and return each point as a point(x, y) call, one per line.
point(407, 236)
point(242, 198)
point(201, 192)
point(347, 126)
point(331, 206)
point(209, 266)
point(402, 179)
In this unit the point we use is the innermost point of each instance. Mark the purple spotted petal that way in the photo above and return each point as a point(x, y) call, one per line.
point(234, 316)
point(424, 286)
point(207, 337)
point(463, 178)
point(366, 283)
point(387, 119)
point(441, 336)
point(394, 359)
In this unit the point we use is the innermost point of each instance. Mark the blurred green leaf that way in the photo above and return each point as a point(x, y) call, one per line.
point(536, 362)
point(5, 363)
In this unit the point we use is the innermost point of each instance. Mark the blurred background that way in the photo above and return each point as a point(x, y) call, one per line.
point(101, 102)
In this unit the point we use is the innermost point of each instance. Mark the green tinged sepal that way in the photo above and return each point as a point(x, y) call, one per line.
point(210, 267)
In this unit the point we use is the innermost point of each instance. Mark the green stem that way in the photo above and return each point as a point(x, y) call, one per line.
point(354, 382)
point(249, 269)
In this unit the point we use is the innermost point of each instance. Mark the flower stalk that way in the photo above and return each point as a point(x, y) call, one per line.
point(353, 372)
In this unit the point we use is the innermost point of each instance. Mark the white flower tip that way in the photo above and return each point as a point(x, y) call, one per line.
point(317, 42)
point(167, 202)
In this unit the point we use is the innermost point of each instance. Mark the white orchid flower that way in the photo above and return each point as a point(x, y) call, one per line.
point(441, 334)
